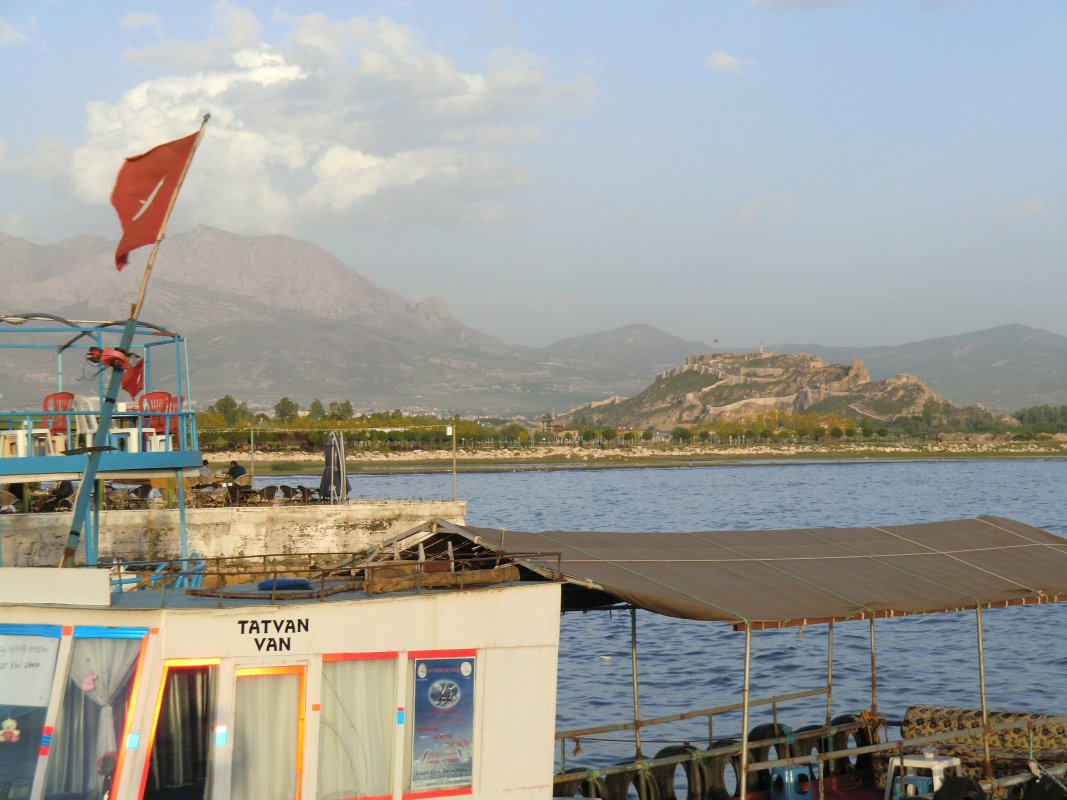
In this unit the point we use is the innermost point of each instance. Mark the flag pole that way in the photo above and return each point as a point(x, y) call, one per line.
point(107, 407)
point(135, 309)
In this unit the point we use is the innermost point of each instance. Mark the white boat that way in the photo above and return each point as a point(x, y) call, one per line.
point(426, 667)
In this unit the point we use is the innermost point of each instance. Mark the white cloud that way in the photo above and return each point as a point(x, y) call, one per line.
point(139, 19)
point(14, 224)
point(773, 207)
point(1024, 209)
point(343, 123)
point(724, 62)
point(9, 34)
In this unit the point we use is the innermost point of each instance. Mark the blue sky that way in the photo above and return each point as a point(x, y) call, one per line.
point(841, 173)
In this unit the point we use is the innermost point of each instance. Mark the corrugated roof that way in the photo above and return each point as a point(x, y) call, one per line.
point(792, 577)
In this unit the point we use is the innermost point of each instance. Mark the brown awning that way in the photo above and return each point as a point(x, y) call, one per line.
point(795, 577)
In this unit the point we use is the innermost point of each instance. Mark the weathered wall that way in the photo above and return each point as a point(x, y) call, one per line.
point(37, 539)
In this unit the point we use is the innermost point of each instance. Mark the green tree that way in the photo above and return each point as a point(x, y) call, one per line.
point(682, 435)
point(836, 432)
point(647, 434)
point(315, 410)
point(867, 431)
point(609, 434)
point(285, 410)
point(340, 411)
point(228, 408)
point(590, 434)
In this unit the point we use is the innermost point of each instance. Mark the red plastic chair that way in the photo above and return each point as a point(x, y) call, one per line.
point(57, 401)
point(173, 407)
point(156, 403)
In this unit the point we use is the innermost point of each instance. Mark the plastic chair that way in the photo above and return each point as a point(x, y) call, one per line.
point(57, 401)
point(156, 403)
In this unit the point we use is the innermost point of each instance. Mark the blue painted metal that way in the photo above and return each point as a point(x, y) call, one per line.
point(49, 631)
point(103, 460)
point(97, 632)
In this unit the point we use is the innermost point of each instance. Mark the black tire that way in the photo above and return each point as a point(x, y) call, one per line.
point(958, 788)
point(770, 730)
point(568, 788)
point(862, 737)
point(713, 772)
point(664, 775)
point(594, 788)
point(618, 785)
point(1043, 788)
point(807, 744)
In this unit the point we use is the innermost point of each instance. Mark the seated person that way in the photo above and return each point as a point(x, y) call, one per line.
point(205, 476)
point(235, 471)
point(60, 492)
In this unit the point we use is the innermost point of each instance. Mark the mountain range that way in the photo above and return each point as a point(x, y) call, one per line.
point(270, 316)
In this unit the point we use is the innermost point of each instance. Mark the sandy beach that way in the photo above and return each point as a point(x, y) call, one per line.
point(547, 456)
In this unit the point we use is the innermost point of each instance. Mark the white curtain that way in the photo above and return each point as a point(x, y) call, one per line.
point(100, 673)
point(356, 729)
point(266, 726)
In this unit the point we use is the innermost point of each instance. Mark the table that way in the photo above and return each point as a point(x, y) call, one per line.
point(923, 773)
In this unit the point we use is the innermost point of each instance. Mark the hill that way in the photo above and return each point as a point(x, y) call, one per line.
point(269, 316)
point(1008, 367)
point(729, 386)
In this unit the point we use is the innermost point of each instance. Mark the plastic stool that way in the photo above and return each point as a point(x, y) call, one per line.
point(927, 766)
point(792, 783)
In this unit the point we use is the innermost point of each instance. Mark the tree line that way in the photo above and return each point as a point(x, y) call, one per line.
point(227, 423)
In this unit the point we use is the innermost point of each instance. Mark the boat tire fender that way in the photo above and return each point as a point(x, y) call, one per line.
point(664, 775)
point(806, 745)
point(618, 785)
point(840, 742)
point(713, 771)
point(769, 730)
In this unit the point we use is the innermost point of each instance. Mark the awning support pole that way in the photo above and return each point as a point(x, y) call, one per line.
point(633, 669)
point(744, 712)
point(874, 673)
point(981, 683)
point(829, 672)
point(829, 700)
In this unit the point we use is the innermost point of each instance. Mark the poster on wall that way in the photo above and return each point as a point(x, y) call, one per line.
point(27, 664)
point(443, 724)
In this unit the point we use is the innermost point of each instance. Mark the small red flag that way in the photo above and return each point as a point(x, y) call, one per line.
point(133, 380)
point(143, 192)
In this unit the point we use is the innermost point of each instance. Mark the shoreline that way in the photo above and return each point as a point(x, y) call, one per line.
point(572, 457)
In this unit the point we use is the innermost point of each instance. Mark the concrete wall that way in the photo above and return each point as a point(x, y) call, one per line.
point(28, 540)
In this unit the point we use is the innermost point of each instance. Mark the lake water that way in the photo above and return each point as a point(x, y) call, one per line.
point(687, 665)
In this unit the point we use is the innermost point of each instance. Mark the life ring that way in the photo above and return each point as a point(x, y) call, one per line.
point(618, 784)
point(664, 775)
point(862, 737)
point(713, 769)
point(770, 730)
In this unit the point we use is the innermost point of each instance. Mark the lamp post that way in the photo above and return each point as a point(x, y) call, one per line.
point(451, 429)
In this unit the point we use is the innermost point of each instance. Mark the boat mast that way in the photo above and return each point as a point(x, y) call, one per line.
point(107, 407)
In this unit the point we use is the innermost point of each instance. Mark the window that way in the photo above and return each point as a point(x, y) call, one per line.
point(356, 726)
point(100, 680)
point(268, 734)
point(27, 669)
point(181, 745)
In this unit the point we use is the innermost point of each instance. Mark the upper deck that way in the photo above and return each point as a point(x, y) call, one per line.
point(45, 431)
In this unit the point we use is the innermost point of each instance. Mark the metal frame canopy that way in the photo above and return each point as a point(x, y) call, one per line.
point(770, 579)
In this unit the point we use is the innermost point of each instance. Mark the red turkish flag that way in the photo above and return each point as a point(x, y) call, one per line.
point(133, 380)
point(143, 192)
